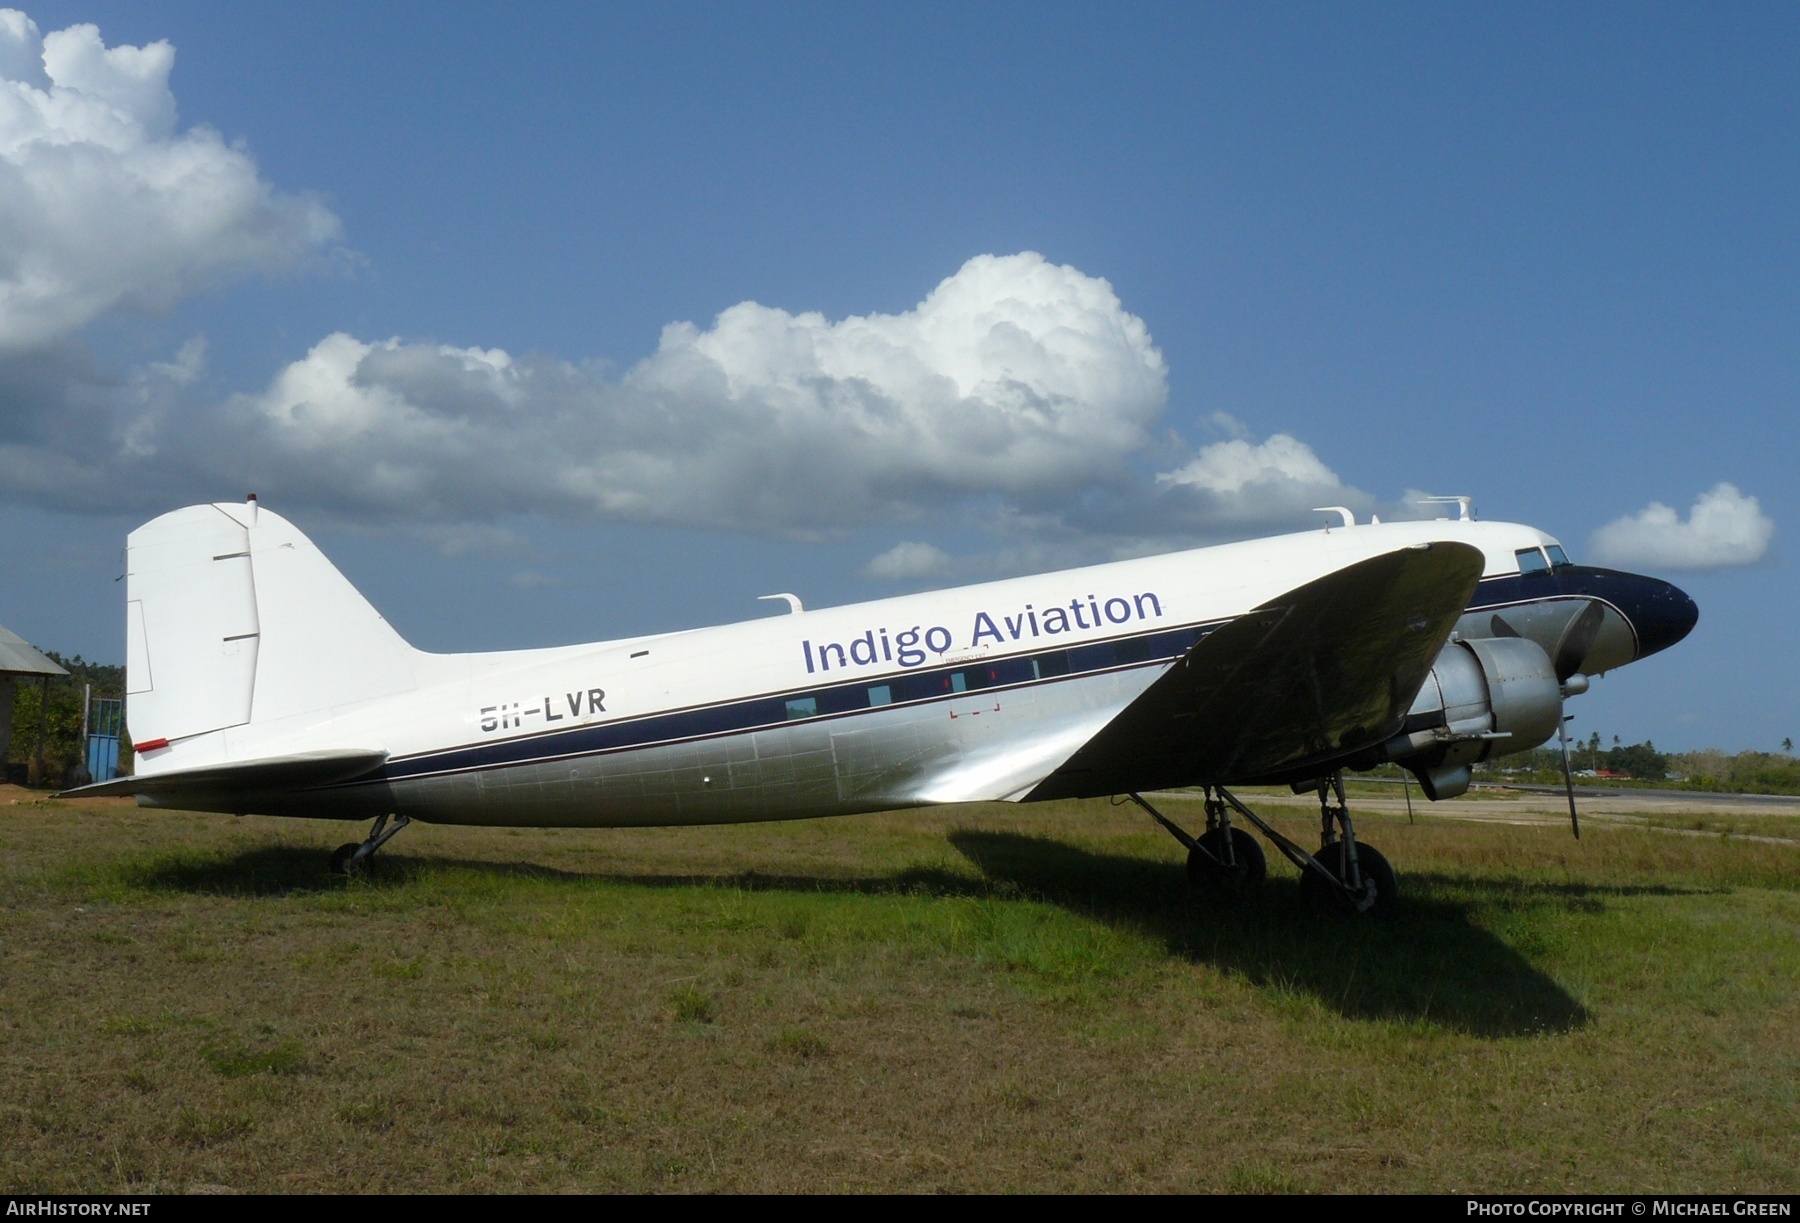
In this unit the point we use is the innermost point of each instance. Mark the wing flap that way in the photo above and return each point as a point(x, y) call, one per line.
point(1321, 671)
point(272, 774)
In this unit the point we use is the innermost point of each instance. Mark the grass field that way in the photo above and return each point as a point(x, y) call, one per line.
point(983, 998)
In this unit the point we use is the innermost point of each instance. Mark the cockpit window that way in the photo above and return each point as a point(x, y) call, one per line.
point(1558, 558)
point(1531, 560)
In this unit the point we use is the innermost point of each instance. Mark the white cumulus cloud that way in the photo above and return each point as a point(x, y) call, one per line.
point(909, 561)
point(1723, 529)
point(1257, 484)
point(1020, 391)
point(104, 203)
point(1019, 394)
point(1015, 378)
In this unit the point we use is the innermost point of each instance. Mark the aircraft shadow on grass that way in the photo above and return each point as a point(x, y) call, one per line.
point(1431, 962)
point(284, 870)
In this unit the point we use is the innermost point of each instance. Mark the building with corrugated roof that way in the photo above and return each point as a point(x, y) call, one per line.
point(19, 660)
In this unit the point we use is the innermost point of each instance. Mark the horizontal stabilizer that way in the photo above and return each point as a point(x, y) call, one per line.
point(1324, 670)
point(302, 771)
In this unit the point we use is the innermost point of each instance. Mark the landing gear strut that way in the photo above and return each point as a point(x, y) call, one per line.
point(352, 858)
point(1222, 858)
point(1345, 876)
point(1349, 876)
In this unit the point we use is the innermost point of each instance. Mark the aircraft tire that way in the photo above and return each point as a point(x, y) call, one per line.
point(1251, 869)
point(1374, 866)
point(340, 859)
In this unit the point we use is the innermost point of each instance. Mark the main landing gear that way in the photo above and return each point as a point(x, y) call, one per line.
point(1345, 875)
point(353, 857)
point(1222, 858)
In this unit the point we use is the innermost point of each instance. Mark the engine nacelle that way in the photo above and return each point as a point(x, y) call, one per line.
point(1489, 697)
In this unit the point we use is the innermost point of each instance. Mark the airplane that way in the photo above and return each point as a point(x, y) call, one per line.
point(260, 681)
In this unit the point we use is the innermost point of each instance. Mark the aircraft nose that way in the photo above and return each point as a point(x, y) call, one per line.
point(1660, 613)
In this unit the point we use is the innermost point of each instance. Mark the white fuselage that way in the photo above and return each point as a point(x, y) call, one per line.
point(956, 695)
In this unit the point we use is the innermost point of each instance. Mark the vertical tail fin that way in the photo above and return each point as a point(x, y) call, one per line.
point(234, 616)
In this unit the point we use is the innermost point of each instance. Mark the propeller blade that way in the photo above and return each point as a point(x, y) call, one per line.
point(1562, 737)
point(1501, 628)
point(1577, 639)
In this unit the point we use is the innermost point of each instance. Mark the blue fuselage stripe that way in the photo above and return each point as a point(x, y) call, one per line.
point(768, 710)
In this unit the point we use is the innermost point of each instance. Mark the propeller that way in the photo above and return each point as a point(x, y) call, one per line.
point(1577, 639)
point(1572, 648)
point(1562, 736)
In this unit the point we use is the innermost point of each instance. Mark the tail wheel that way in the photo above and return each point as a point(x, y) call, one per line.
point(1375, 871)
point(1249, 866)
point(342, 859)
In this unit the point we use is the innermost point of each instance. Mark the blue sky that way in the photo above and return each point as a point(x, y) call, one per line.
point(1545, 256)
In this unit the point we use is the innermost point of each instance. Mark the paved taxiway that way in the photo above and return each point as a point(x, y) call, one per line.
point(1529, 805)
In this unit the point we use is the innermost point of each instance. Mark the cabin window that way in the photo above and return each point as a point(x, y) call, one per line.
point(980, 677)
point(881, 694)
point(1558, 558)
point(1012, 671)
point(1092, 657)
point(842, 700)
point(802, 707)
point(1532, 561)
point(1139, 649)
point(958, 682)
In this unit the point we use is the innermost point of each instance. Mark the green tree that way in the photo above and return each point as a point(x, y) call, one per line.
point(63, 748)
point(1641, 760)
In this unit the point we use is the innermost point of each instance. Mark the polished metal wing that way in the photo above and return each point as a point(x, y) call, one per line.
point(1310, 677)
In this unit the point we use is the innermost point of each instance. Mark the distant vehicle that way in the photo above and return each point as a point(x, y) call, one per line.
point(260, 681)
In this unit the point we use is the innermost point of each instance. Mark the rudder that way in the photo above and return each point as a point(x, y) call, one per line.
point(192, 633)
